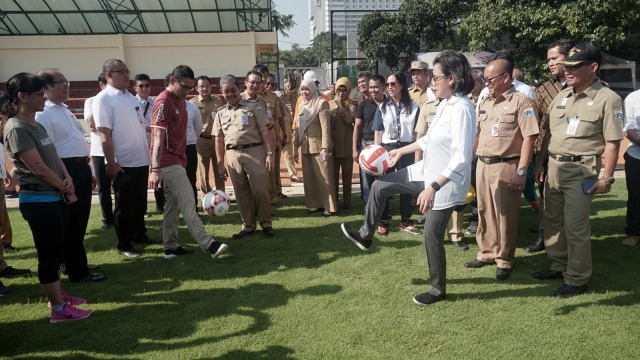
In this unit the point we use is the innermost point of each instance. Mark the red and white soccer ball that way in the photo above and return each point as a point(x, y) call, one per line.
point(374, 160)
point(216, 203)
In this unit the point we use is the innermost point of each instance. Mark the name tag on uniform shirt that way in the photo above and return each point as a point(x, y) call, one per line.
point(495, 128)
point(269, 112)
point(572, 126)
point(245, 119)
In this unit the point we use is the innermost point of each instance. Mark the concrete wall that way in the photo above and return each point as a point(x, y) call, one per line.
point(81, 57)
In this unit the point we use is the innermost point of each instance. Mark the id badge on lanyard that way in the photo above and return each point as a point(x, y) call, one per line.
point(394, 134)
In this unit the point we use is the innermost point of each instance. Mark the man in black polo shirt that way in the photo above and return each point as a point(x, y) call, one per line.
point(362, 133)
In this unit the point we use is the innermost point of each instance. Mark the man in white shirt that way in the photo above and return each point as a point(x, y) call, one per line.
point(126, 150)
point(97, 158)
point(67, 135)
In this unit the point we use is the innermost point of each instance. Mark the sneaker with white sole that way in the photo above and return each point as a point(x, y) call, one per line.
point(68, 313)
point(410, 228)
point(217, 248)
point(170, 254)
point(71, 300)
point(354, 236)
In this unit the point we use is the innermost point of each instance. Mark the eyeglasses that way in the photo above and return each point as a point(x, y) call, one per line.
point(37, 93)
point(185, 88)
point(435, 79)
point(341, 90)
point(123, 71)
point(489, 80)
point(204, 87)
point(254, 82)
point(63, 82)
point(569, 68)
point(391, 84)
point(144, 86)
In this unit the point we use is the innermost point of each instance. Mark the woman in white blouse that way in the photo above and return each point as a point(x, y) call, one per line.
point(441, 179)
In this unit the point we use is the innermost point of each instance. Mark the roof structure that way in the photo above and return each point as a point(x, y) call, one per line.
point(78, 17)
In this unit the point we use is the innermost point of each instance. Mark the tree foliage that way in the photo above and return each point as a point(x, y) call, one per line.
point(319, 52)
point(281, 23)
point(524, 26)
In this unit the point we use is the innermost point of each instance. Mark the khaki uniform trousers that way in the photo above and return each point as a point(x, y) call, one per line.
point(567, 230)
point(346, 163)
point(248, 175)
point(287, 151)
point(498, 213)
point(179, 199)
point(454, 227)
point(273, 193)
point(207, 159)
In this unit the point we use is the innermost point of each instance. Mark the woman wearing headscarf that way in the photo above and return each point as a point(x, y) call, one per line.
point(313, 136)
point(342, 119)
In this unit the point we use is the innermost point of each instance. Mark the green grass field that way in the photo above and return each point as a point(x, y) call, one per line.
point(309, 293)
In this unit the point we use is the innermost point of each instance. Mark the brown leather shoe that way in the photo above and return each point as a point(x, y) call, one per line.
point(631, 240)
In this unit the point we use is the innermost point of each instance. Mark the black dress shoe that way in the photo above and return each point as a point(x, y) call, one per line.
point(427, 298)
point(476, 264)
point(268, 232)
point(11, 194)
point(10, 271)
point(93, 267)
point(461, 245)
point(242, 234)
point(89, 278)
point(3, 289)
point(282, 196)
point(502, 273)
point(536, 246)
point(147, 241)
point(547, 275)
point(567, 291)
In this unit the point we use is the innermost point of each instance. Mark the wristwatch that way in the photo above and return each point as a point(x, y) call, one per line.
point(609, 180)
point(269, 153)
point(521, 172)
point(435, 186)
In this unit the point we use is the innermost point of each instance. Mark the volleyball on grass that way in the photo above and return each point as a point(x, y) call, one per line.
point(374, 160)
point(216, 203)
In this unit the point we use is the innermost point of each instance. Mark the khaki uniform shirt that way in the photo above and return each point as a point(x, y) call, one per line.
point(427, 114)
point(580, 124)
point(504, 122)
point(544, 96)
point(208, 109)
point(317, 135)
point(240, 124)
point(342, 127)
point(417, 95)
point(273, 106)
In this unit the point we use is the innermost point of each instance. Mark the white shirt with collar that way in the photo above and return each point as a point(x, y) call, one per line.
point(118, 110)
point(96, 142)
point(632, 120)
point(388, 112)
point(519, 85)
point(146, 104)
point(447, 148)
point(64, 130)
point(194, 123)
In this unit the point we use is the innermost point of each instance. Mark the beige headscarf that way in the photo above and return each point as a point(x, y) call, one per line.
point(309, 109)
point(343, 81)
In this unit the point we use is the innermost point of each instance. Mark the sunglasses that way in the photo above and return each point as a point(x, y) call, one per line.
point(144, 86)
point(391, 83)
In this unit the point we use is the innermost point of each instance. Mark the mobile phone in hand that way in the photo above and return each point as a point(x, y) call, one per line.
point(588, 184)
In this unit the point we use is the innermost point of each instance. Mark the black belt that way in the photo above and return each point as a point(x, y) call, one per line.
point(496, 160)
point(240, 147)
point(400, 144)
point(563, 158)
point(37, 187)
point(208, 137)
point(79, 159)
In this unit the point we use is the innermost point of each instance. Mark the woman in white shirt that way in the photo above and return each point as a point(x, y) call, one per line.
point(442, 178)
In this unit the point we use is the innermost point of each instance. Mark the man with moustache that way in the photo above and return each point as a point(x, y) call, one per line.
point(420, 91)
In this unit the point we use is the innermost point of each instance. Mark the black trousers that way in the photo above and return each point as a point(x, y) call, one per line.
point(75, 256)
point(104, 189)
point(192, 167)
point(131, 203)
point(48, 223)
point(406, 207)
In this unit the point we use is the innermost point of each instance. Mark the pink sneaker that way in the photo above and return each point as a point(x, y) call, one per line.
point(71, 300)
point(69, 313)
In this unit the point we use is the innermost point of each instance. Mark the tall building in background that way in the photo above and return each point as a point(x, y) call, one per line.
point(344, 23)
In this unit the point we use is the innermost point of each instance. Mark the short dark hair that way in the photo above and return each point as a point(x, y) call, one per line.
point(261, 68)
point(564, 45)
point(47, 77)
point(379, 78)
point(508, 57)
point(141, 77)
point(109, 64)
point(203, 77)
point(366, 74)
point(456, 65)
point(182, 72)
point(166, 79)
point(5, 105)
point(253, 72)
point(227, 78)
point(102, 78)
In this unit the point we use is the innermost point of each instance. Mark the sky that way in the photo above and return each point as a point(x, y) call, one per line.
point(300, 32)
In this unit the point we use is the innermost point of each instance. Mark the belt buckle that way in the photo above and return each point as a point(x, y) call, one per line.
point(485, 160)
point(240, 147)
point(557, 157)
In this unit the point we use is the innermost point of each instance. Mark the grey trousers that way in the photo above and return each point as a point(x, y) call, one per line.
point(434, 226)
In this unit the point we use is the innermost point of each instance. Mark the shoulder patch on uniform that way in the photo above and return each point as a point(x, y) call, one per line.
point(326, 112)
point(619, 115)
point(259, 109)
point(528, 112)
